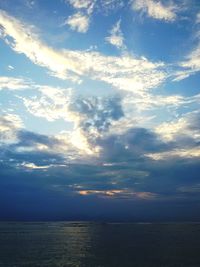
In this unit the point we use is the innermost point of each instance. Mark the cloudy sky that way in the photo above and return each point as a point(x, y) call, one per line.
point(100, 113)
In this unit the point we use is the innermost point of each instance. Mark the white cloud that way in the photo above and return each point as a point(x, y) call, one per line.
point(12, 83)
point(191, 63)
point(33, 166)
point(150, 101)
point(190, 66)
point(78, 22)
point(107, 6)
point(51, 104)
point(10, 67)
point(124, 72)
point(180, 153)
point(81, 3)
point(81, 19)
point(170, 130)
point(187, 125)
point(116, 36)
point(127, 73)
point(156, 9)
point(25, 41)
point(147, 109)
point(103, 6)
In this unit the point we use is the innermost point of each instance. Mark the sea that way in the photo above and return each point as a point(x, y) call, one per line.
point(85, 244)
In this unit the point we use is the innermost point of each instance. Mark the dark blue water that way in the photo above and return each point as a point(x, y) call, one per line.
point(98, 245)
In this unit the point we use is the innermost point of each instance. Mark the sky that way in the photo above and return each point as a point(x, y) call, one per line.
point(99, 105)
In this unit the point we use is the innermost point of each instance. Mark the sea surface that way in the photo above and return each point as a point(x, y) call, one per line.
point(68, 244)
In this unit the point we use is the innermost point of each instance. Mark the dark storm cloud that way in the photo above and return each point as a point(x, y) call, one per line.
point(24, 149)
point(121, 165)
point(39, 158)
point(27, 138)
point(193, 121)
point(132, 144)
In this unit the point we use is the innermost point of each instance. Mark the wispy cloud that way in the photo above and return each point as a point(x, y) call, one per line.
point(189, 66)
point(10, 67)
point(12, 83)
point(79, 4)
point(188, 125)
point(125, 72)
point(116, 36)
point(176, 153)
point(123, 193)
point(51, 103)
point(26, 42)
point(81, 19)
point(110, 5)
point(156, 9)
point(78, 22)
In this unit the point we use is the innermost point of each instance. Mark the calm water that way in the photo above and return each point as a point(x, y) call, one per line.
point(99, 245)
